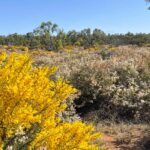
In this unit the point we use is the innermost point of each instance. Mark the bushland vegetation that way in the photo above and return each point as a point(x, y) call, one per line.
point(30, 103)
point(54, 84)
point(49, 36)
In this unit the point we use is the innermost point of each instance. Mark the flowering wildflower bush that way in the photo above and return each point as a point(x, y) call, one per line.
point(15, 48)
point(30, 102)
point(116, 87)
point(112, 83)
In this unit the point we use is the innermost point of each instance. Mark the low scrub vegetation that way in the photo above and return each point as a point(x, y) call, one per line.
point(111, 83)
point(42, 104)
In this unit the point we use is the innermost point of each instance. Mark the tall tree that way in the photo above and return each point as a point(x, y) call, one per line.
point(98, 37)
point(46, 28)
point(46, 31)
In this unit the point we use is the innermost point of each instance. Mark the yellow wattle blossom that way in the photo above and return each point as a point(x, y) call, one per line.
point(29, 104)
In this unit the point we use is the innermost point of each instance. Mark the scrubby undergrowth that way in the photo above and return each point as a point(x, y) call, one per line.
point(112, 83)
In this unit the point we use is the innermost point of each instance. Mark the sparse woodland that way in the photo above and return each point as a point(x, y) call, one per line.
point(49, 36)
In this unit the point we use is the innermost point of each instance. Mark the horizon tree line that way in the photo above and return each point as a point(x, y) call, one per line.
point(50, 37)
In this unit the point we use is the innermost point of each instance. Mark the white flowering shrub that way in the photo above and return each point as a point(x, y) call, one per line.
point(118, 88)
point(111, 83)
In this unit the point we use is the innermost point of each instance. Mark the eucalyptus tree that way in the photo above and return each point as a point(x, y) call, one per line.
point(98, 37)
point(148, 2)
point(72, 37)
point(86, 35)
point(47, 30)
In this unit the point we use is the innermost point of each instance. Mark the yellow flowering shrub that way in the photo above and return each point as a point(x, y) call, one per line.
point(15, 48)
point(68, 48)
point(29, 105)
point(93, 49)
point(41, 53)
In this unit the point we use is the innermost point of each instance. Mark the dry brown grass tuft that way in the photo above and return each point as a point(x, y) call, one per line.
point(124, 136)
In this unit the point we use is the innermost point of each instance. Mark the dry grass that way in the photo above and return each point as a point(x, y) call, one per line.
point(125, 136)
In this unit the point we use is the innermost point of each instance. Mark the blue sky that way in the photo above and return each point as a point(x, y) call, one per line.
point(112, 16)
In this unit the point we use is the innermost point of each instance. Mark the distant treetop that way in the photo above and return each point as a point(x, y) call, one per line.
point(148, 2)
